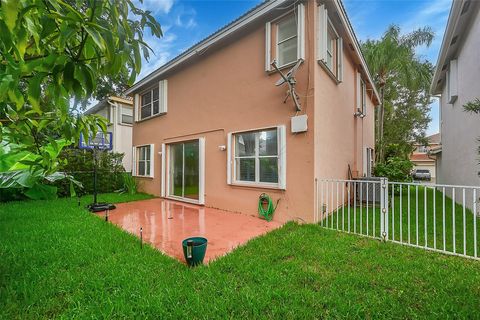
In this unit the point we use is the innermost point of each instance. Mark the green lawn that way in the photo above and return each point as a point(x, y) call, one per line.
point(399, 213)
point(58, 260)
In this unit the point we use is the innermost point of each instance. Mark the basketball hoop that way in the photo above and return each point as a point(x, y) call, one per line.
point(100, 142)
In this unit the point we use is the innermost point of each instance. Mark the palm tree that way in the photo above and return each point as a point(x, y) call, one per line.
point(393, 59)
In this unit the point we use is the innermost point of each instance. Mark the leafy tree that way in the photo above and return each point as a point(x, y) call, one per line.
point(53, 52)
point(403, 80)
point(472, 106)
point(112, 84)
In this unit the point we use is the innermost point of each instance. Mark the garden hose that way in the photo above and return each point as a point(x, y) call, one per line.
point(267, 213)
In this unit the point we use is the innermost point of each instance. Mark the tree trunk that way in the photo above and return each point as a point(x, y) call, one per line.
point(381, 115)
point(382, 120)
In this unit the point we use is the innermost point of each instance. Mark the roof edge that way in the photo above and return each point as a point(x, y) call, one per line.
point(356, 44)
point(240, 22)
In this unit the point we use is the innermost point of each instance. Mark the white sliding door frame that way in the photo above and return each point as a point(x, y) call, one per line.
point(201, 172)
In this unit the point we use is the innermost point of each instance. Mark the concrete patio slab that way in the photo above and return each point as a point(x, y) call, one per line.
point(166, 223)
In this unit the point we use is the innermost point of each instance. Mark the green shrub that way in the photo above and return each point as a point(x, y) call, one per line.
point(395, 169)
point(79, 164)
point(130, 185)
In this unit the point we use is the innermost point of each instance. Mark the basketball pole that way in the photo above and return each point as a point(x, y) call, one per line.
point(95, 176)
point(95, 146)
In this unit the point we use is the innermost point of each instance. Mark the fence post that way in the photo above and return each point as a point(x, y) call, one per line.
point(384, 208)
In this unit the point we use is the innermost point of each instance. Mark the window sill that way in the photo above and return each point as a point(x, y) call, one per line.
point(285, 66)
point(145, 177)
point(257, 185)
point(151, 117)
point(126, 124)
point(329, 72)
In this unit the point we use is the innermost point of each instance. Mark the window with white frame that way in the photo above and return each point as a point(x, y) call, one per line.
point(285, 38)
point(149, 104)
point(152, 102)
point(330, 45)
point(259, 157)
point(126, 115)
point(144, 161)
point(362, 95)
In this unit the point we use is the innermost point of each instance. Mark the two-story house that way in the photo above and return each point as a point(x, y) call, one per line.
point(216, 126)
point(457, 81)
point(119, 113)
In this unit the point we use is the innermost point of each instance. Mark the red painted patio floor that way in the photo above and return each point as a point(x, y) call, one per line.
point(166, 223)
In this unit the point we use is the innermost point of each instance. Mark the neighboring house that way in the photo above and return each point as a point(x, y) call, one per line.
point(422, 156)
point(211, 127)
point(457, 80)
point(119, 113)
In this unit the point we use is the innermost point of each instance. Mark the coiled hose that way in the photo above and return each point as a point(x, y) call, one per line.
point(267, 212)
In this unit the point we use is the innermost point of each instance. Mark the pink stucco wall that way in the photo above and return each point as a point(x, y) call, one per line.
point(227, 89)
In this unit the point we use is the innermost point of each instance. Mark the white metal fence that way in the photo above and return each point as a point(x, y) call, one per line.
point(443, 218)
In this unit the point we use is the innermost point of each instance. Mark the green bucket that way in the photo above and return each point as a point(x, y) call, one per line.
point(194, 249)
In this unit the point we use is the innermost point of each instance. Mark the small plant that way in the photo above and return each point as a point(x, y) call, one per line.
point(130, 185)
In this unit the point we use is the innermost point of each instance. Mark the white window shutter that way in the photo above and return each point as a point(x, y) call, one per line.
point(201, 195)
point(364, 99)
point(152, 160)
point(164, 171)
point(322, 34)
point(134, 161)
point(163, 95)
point(359, 92)
point(268, 44)
point(282, 157)
point(301, 32)
point(452, 76)
point(229, 158)
point(136, 107)
point(340, 59)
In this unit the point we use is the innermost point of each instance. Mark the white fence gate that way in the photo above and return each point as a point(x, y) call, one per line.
point(443, 218)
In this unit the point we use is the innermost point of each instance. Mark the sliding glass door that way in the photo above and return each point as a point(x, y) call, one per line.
point(185, 170)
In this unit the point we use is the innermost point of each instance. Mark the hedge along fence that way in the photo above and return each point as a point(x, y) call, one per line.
point(80, 164)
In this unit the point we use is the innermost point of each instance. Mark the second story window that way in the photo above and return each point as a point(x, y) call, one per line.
point(287, 40)
point(330, 45)
point(361, 95)
point(332, 38)
point(149, 106)
point(126, 115)
point(151, 102)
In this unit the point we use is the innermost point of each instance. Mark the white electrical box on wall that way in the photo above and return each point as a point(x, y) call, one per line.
point(299, 123)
